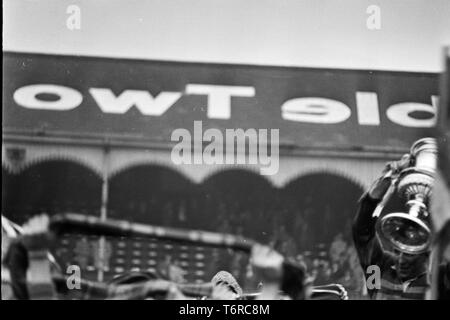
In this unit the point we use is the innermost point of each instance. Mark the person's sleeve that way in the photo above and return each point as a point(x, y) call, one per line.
point(363, 229)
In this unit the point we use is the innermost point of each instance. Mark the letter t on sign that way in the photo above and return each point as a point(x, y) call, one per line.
point(219, 97)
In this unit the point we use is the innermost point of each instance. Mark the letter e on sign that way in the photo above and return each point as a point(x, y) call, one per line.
point(315, 110)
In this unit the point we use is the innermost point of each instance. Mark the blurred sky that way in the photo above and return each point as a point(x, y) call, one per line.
point(311, 33)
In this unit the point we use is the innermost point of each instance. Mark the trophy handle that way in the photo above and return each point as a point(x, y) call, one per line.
point(390, 191)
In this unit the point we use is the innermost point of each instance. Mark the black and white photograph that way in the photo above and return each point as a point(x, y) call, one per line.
point(246, 150)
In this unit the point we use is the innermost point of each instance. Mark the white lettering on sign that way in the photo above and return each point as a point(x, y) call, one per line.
point(219, 97)
point(67, 98)
point(367, 106)
point(304, 109)
point(143, 100)
point(400, 113)
point(315, 110)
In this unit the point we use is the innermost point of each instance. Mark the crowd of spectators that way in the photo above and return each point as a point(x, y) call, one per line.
point(296, 223)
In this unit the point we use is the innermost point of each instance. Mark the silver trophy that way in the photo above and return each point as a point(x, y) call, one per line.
point(410, 232)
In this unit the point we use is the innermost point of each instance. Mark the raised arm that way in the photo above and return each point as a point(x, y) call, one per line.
point(363, 228)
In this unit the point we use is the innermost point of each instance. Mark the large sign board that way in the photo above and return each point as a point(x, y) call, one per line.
point(147, 100)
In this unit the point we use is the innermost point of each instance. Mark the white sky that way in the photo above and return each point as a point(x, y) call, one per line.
point(310, 33)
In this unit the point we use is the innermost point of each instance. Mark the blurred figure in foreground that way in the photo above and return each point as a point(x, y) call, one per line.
point(440, 202)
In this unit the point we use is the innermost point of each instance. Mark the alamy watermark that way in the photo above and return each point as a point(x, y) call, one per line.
point(373, 21)
point(73, 280)
point(73, 21)
point(373, 280)
point(235, 147)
